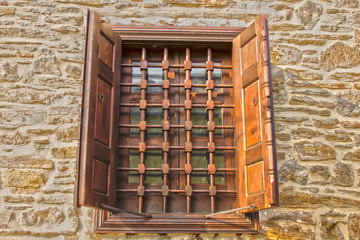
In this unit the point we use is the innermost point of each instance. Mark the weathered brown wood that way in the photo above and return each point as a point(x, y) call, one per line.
point(254, 134)
point(177, 33)
point(176, 223)
point(98, 152)
point(251, 107)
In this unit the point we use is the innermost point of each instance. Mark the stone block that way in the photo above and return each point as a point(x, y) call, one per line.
point(284, 55)
point(16, 138)
point(344, 175)
point(322, 171)
point(24, 181)
point(18, 199)
point(314, 151)
point(309, 13)
point(279, 90)
point(67, 134)
point(339, 55)
point(348, 103)
point(346, 3)
point(296, 199)
point(345, 76)
point(7, 11)
point(296, 216)
point(326, 123)
point(9, 73)
point(16, 118)
point(285, 27)
point(301, 133)
point(357, 35)
point(65, 29)
point(333, 137)
point(302, 100)
point(292, 171)
point(312, 92)
point(353, 226)
point(47, 63)
point(51, 216)
point(92, 3)
point(5, 216)
point(350, 124)
point(352, 156)
point(330, 229)
point(64, 152)
point(55, 199)
point(26, 161)
point(73, 71)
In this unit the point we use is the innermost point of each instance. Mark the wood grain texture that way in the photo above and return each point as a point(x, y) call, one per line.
point(106, 50)
point(102, 113)
point(254, 115)
point(98, 149)
point(177, 223)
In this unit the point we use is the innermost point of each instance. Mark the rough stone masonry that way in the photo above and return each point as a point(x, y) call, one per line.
point(315, 55)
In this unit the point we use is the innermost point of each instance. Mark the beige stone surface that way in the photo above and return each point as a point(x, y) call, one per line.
point(315, 57)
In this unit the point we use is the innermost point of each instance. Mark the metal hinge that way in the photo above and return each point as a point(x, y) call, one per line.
point(253, 206)
point(118, 210)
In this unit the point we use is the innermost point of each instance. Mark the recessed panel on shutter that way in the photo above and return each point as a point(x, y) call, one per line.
point(255, 140)
point(100, 113)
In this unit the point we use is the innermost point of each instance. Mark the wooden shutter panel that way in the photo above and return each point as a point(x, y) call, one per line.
point(100, 115)
point(254, 137)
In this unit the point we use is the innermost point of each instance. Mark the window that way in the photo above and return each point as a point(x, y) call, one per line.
point(177, 128)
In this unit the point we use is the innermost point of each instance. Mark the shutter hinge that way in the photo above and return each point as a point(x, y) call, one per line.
point(118, 210)
point(253, 206)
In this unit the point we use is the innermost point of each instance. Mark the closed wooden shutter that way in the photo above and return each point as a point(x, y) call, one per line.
point(254, 138)
point(100, 115)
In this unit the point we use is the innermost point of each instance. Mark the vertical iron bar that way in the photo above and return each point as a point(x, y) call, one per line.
point(211, 133)
point(166, 85)
point(187, 66)
point(141, 189)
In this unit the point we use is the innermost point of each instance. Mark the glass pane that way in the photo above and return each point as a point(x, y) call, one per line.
point(199, 159)
point(154, 116)
point(153, 159)
point(136, 77)
point(199, 116)
point(154, 75)
point(219, 163)
point(200, 76)
point(216, 77)
point(134, 119)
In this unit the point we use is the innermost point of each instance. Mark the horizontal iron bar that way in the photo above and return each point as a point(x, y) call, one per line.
point(174, 105)
point(175, 66)
point(176, 85)
point(179, 169)
point(175, 191)
point(118, 210)
point(176, 126)
point(231, 210)
point(179, 147)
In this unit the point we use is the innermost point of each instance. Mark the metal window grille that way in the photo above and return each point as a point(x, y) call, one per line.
point(187, 147)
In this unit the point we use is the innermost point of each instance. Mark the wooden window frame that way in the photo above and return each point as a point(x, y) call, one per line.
point(253, 153)
point(106, 222)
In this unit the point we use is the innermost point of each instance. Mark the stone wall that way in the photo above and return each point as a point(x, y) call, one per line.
point(315, 54)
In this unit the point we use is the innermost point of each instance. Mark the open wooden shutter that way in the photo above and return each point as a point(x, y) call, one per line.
point(100, 115)
point(254, 137)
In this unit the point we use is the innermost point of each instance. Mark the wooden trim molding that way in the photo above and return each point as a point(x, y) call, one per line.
point(177, 34)
point(106, 222)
